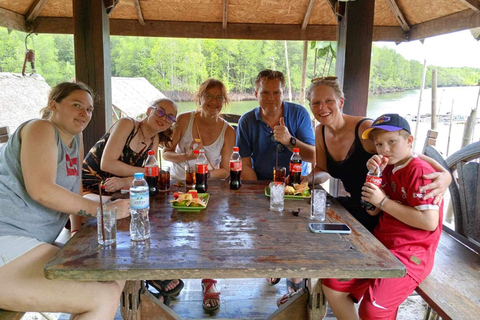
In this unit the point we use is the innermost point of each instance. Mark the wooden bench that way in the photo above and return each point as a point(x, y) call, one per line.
point(10, 315)
point(452, 290)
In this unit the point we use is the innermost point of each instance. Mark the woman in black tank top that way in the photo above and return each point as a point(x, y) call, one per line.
point(342, 154)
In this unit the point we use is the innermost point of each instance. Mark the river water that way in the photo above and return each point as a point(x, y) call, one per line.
point(406, 104)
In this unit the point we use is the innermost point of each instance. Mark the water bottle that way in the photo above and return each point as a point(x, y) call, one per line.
point(374, 176)
point(235, 170)
point(295, 167)
point(201, 172)
point(151, 173)
point(139, 207)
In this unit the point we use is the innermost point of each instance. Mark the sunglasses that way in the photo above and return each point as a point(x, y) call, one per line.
point(160, 112)
point(209, 97)
point(329, 78)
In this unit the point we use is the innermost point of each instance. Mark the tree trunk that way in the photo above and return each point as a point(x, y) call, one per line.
point(288, 73)
point(304, 72)
point(434, 118)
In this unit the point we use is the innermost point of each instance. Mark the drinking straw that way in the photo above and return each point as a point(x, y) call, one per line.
point(101, 210)
point(276, 157)
point(160, 158)
point(186, 159)
point(313, 190)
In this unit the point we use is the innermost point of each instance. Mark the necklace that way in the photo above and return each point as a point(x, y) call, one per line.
point(144, 137)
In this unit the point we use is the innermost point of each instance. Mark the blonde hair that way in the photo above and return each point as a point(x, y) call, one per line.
point(332, 83)
point(60, 92)
point(211, 83)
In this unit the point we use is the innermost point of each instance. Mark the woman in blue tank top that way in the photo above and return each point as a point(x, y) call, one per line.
point(40, 187)
point(342, 154)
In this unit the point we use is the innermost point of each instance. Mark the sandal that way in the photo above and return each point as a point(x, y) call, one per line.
point(215, 295)
point(274, 282)
point(166, 299)
point(284, 299)
point(295, 286)
point(161, 285)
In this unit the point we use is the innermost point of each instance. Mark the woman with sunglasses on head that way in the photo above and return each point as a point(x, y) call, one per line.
point(204, 128)
point(40, 187)
point(343, 154)
point(121, 152)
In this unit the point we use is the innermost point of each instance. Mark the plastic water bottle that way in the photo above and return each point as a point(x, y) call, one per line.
point(235, 170)
point(139, 207)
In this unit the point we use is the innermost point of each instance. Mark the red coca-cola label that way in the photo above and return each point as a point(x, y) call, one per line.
point(201, 168)
point(235, 166)
point(151, 171)
point(295, 167)
point(375, 180)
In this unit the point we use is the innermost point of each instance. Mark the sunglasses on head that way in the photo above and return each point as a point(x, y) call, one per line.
point(331, 78)
point(160, 112)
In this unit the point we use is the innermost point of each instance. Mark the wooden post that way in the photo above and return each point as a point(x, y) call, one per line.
point(288, 73)
point(354, 50)
point(471, 123)
point(92, 63)
point(431, 139)
point(304, 72)
point(450, 127)
point(420, 101)
point(434, 117)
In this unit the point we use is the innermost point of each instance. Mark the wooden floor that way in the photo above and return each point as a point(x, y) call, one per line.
point(244, 299)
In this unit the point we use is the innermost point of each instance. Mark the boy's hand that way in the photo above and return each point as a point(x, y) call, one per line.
point(372, 194)
point(376, 161)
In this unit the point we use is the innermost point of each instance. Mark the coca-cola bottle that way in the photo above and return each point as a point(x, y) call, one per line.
point(201, 172)
point(295, 167)
point(151, 173)
point(235, 170)
point(374, 176)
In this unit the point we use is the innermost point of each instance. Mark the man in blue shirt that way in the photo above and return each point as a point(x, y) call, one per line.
point(274, 124)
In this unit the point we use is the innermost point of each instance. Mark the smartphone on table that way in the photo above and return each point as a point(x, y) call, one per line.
point(329, 228)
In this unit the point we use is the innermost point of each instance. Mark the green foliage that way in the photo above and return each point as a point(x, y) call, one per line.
point(182, 64)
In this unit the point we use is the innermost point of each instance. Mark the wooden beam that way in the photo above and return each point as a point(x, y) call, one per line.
point(399, 15)
point(12, 20)
point(472, 4)
point(215, 30)
point(225, 14)
point(35, 10)
point(92, 62)
point(139, 12)
point(354, 50)
point(467, 19)
point(307, 14)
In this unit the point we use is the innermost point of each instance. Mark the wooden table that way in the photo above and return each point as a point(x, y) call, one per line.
point(236, 236)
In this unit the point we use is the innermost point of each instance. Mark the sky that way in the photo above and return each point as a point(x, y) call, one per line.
point(457, 49)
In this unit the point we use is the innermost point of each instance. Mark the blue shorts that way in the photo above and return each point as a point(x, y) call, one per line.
point(12, 247)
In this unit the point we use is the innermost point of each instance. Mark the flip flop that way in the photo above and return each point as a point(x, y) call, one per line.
point(166, 299)
point(274, 282)
point(160, 285)
point(209, 283)
point(284, 299)
point(295, 286)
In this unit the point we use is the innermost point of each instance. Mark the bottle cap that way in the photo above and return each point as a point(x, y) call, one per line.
point(296, 150)
point(138, 175)
point(236, 149)
point(151, 152)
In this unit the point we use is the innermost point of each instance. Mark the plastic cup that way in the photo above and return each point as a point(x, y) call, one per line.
point(164, 178)
point(109, 223)
point(279, 174)
point(277, 194)
point(319, 203)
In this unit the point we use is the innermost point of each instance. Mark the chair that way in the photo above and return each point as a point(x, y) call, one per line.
point(231, 118)
point(4, 134)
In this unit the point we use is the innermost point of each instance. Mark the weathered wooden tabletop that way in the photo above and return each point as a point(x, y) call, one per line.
point(236, 236)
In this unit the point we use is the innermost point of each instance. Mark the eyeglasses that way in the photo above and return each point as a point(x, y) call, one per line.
point(209, 97)
point(329, 78)
point(160, 112)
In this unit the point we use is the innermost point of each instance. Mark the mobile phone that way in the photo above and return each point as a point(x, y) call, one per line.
point(329, 228)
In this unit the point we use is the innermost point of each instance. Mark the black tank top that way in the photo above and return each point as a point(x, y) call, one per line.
point(352, 172)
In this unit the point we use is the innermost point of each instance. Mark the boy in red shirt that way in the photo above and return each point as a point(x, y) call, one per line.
point(409, 226)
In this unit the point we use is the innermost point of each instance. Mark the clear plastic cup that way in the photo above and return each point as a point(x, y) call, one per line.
point(109, 223)
point(277, 194)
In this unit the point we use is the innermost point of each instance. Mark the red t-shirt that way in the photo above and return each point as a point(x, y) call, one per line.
point(414, 247)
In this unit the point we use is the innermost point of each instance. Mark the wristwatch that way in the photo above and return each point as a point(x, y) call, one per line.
point(293, 141)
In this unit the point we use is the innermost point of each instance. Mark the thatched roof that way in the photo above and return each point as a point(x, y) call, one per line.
point(21, 98)
point(394, 20)
point(132, 96)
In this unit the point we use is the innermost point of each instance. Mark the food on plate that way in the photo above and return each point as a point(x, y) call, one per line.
point(189, 199)
point(301, 189)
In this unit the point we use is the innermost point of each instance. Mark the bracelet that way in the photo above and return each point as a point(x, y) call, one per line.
point(383, 202)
